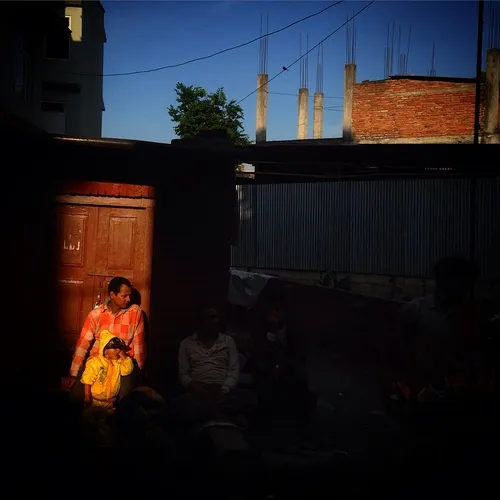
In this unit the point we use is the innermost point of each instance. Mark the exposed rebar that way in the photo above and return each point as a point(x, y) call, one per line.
point(319, 70)
point(263, 44)
point(432, 71)
point(350, 43)
point(493, 27)
point(304, 63)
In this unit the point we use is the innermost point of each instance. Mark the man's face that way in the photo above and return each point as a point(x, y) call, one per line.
point(275, 317)
point(112, 354)
point(122, 298)
point(210, 321)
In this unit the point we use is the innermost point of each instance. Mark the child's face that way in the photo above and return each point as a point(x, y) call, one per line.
point(112, 354)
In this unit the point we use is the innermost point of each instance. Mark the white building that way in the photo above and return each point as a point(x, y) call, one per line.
point(52, 64)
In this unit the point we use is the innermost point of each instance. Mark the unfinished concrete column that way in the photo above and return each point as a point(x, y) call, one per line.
point(261, 121)
point(491, 132)
point(318, 115)
point(303, 112)
point(349, 81)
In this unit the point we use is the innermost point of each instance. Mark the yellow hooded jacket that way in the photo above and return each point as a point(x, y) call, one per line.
point(104, 375)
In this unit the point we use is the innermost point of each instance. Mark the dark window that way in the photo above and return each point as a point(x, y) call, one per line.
point(53, 107)
point(57, 40)
point(23, 80)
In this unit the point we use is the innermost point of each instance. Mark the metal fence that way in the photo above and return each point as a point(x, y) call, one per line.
point(391, 227)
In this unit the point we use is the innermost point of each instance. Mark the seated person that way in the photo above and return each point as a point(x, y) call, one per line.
point(141, 418)
point(441, 335)
point(279, 365)
point(102, 380)
point(209, 373)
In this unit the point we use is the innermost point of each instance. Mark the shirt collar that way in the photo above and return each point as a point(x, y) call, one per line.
point(217, 340)
point(106, 308)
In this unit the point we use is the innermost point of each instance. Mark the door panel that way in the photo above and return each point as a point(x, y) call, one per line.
point(77, 227)
point(71, 314)
point(121, 249)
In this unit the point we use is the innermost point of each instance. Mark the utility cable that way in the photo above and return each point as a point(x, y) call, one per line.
point(202, 58)
point(286, 68)
point(296, 95)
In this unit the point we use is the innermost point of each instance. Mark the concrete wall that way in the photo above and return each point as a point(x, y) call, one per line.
point(369, 285)
point(411, 110)
point(261, 118)
point(303, 114)
point(356, 326)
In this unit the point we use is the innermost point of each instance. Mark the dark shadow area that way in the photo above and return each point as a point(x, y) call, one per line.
point(357, 444)
point(355, 451)
point(135, 298)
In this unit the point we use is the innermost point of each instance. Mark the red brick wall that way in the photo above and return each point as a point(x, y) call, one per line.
point(393, 109)
point(106, 189)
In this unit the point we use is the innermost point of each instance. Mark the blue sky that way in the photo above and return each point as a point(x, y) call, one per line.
point(144, 34)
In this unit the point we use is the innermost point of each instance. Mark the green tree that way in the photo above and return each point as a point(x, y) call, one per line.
point(199, 110)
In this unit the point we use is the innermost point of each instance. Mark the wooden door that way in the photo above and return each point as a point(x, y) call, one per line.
point(121, 250)
point(97, 243)
point(77, 226)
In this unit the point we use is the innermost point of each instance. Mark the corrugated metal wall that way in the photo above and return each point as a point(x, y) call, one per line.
point(393, 227)
point(488, 227)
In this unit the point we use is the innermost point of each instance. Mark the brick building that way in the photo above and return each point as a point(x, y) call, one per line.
point(421, 109)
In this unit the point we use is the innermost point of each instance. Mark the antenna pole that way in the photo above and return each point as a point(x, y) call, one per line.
point(479, 65)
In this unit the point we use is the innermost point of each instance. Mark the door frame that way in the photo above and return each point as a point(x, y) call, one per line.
point(146, 204)
point(105, 201)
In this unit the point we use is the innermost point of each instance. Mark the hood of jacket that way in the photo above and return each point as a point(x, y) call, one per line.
point(104, 338)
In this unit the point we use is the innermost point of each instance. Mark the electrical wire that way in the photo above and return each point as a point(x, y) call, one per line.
point(202, 58)
point(296, 95)
point(305, 54)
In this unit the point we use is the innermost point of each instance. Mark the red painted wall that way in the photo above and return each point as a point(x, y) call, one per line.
point(86, 188)
point(406, 108)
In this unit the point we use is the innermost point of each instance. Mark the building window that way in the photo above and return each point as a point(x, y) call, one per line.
point(23, 73)
point(58, 40)
point(54, 107)
point(54, 117)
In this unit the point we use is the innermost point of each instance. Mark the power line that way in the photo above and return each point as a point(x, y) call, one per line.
point(296, 95)
point(223, 51)
point(303, 55)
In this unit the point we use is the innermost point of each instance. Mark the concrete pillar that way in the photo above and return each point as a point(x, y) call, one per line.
point(318, 115)
point(349, 81)
point(303, 113)
point(261, 121)
point(491, 132)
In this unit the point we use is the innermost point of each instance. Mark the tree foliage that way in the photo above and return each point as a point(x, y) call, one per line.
point(199, 110)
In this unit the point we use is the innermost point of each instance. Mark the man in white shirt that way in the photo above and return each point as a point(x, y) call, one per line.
point(209, 372)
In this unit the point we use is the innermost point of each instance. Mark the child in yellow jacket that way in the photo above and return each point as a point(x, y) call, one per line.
point(102, 375)
point(101, 380)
